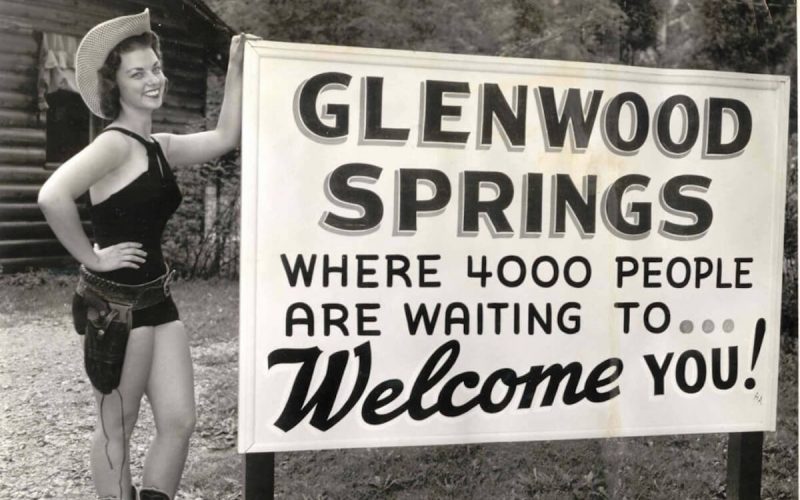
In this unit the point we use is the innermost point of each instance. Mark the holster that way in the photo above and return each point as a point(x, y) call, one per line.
point(108, 326)
point(102, 310)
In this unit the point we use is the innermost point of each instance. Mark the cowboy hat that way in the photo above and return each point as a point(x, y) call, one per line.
point(94, 49)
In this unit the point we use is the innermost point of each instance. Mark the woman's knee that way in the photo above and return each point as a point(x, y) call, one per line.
point(177, 424)
point(113, 419)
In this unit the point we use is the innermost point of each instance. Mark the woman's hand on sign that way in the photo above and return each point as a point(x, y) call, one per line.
point(125, 254)
point(236, 56)
point(201, 147)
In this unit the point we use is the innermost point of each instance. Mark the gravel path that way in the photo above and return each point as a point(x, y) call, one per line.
point(47, 415)
point(47, 411)
point(47, 419)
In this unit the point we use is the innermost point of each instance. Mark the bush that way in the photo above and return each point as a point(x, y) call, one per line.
point(789, 299)
point(202, 238)
point(35, 278)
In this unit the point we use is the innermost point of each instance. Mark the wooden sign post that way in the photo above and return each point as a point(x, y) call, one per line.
point(744, 465)
point(258, 471)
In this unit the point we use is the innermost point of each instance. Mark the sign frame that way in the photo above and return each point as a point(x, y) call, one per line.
point(251, 202)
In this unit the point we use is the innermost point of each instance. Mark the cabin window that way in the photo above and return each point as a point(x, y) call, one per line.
point(68, 126)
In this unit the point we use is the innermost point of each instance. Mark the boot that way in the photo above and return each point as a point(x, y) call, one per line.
point(152, 494)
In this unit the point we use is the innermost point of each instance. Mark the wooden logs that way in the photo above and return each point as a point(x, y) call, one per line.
point(14, 99)
point(16, 230)
point(21, 155)
point(30, 248)
point(23, 174)
point(22, 137)
point(10, 212)
point(12, 42)
point(17, 82)
point(18, 193)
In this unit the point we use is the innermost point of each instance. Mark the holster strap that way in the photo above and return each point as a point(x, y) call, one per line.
point(97, 290)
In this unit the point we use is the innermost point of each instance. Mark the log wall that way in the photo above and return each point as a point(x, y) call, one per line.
point(188, 41)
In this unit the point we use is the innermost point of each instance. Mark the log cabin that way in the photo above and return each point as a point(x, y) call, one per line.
point(43, 120)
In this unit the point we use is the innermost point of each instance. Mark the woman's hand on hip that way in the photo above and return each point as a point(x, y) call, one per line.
point(125, 254)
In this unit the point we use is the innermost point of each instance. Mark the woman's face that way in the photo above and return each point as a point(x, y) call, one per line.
point(140, 80)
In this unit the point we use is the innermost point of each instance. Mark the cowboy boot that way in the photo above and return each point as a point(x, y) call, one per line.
point(152, 494)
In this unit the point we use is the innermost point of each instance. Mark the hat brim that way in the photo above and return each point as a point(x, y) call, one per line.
point(94, 49)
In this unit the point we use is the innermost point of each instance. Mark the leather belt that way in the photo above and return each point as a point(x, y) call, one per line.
point(136, 296)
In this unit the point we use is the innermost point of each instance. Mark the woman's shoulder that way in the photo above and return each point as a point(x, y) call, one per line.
point(105, 153)
point(111, 141)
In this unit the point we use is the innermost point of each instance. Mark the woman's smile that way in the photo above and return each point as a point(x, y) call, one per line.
point(140, 80)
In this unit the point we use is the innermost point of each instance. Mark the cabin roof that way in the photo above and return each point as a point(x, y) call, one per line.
point(210, 16)
point(222, 30)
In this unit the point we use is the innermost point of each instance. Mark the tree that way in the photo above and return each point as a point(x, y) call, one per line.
point(462, 26)
point(304, 21)
point(458, 26)
point(750, 36)
point(639, 31)
point(573, 30)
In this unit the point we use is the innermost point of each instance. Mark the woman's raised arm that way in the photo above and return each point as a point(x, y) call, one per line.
point(188, 149)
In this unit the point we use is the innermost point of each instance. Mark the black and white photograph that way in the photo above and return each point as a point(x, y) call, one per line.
point(466, 249)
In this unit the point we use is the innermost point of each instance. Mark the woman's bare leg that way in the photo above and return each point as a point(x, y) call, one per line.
point(170, 389)
point(110, 458)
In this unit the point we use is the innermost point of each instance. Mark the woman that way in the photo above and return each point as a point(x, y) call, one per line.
point(135, 342)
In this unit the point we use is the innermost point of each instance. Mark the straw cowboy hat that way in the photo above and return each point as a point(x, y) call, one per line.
point(94, 49)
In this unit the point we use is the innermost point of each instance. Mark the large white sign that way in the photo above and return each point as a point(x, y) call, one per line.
point(451, 249)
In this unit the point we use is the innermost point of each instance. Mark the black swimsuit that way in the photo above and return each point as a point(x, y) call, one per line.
point(139, 212)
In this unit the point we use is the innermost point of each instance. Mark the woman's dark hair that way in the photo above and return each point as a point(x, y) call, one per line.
point(109, 91)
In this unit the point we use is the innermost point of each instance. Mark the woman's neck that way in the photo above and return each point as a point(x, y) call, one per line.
point(139, 123)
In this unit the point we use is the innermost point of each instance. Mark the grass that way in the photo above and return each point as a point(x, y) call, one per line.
point(685, 466)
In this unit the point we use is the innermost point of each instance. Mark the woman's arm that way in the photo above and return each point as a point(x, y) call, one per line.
point(72, 179)
point(188, 149)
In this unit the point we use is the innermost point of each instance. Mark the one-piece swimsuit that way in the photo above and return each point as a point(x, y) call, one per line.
point(139, 213)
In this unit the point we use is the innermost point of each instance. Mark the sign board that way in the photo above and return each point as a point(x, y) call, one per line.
point(451, 249)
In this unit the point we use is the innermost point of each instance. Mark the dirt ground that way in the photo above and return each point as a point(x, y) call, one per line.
point(47, 408)
point(46, 421)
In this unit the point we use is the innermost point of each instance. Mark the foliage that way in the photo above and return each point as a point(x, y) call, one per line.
point(571, 30)
point(201, 246)
point(638, 33)
point(310, 21)
point(201, 239)
point(34, 278)
point(25, 292)
point(318, 21)
point(466, 26)
point(754, 37)
point(789, 301)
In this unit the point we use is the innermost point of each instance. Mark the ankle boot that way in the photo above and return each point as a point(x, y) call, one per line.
point(152, 494)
